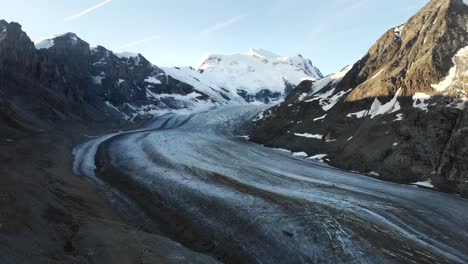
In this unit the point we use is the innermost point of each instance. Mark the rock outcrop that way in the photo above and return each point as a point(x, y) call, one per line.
point(397, 114)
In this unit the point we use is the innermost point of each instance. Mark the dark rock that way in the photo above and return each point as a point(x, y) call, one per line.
point(406, 144)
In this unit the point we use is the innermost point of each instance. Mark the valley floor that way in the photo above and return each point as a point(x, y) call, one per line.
point(49, 215)
point(203, 185)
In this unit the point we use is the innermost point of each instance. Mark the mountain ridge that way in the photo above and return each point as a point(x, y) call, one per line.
point(397, 114)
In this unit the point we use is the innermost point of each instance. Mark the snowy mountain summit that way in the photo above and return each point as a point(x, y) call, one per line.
point(259, 75)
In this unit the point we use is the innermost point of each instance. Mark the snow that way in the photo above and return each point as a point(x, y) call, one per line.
point(460, 104)
point(109, 104)
point(45, 43)
point(419, 101)
point(300, 154)
point(282, 150)
point(359, 114)
point(203, 83)
point(453, 74)
point(378, 109)
point(447, 82)
point(98, 79)
point(331, 79)
point(189, 97)
point(399, 117)
point(428, 183)
point(373, 173)
point(126, 55)
point(259, 117)
point(318, 157)
point(320, 118)
point(245, 137)
point(152, 79)
point(307, 135)
point(262, 54)
point(399, 30)
point(377, 74)
point(302, 96)
point(327, 100)
point(258, 70)
point(48, 42)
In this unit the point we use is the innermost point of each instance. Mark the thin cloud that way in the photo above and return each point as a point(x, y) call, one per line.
point(221, 25)
point(91, 9)
point(137, 42)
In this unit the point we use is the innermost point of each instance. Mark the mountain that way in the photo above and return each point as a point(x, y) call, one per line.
point(134, 88)
point(398, 114)
point(63, 78)
point(258, 75)
point(130, 85)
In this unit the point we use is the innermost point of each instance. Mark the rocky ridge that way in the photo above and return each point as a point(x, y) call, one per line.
point(397, 114)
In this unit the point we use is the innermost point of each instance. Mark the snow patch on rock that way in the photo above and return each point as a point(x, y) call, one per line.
point(420, 101)
point(454, 73)
point(378, 108)
point(45, 43)
point(307, 135)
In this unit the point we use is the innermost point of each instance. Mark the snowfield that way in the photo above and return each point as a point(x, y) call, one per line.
point(268, 206)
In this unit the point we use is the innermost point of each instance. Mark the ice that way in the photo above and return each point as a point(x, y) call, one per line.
point(198, 167)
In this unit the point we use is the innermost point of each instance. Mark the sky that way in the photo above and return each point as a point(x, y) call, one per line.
point(332, 33)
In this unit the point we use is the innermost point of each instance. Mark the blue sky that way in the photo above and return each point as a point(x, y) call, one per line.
point(332, 33)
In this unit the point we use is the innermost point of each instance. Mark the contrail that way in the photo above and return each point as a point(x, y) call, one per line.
point(222, 25)
point(76, 16)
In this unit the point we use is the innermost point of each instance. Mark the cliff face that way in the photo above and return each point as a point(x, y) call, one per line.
point(39, 89)
point(397, 114)
point(412, 56)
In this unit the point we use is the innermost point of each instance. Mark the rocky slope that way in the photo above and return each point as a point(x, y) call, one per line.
point(50, 100)
point(398, 114)
point(55, 93)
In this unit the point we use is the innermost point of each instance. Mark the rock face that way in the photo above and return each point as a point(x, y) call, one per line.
point(38, 88)
point(62, 78)
point(397, 114)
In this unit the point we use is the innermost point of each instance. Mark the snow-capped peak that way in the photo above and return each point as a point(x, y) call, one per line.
point(48, 42)
point(45, 43)
point(263, 54)
point(257, 71)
